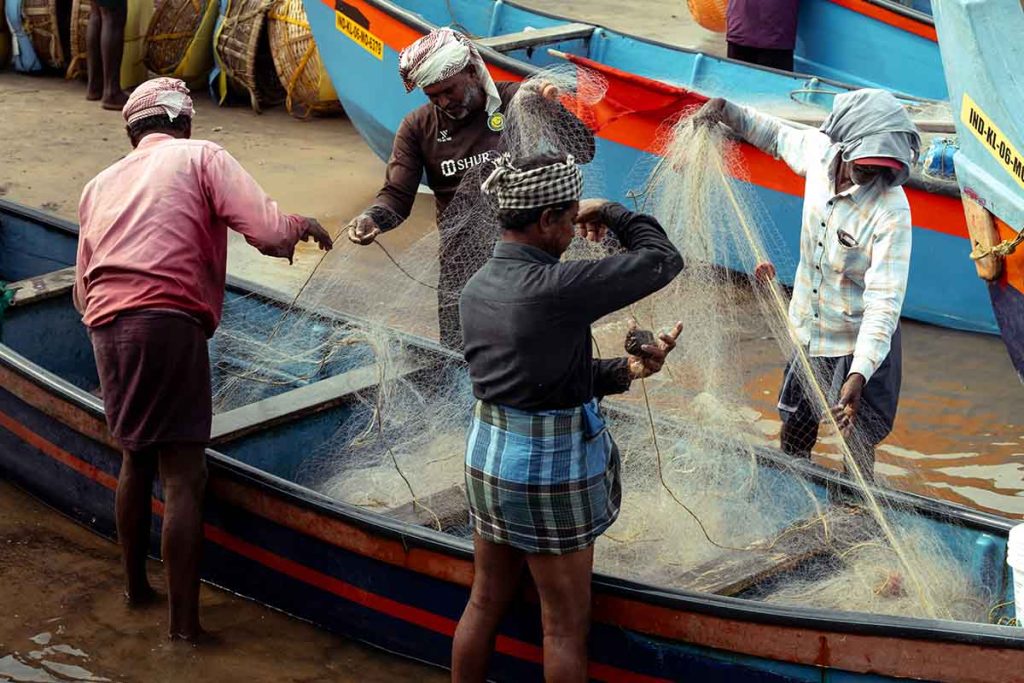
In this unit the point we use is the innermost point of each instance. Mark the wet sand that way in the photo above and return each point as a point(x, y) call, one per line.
point(958, 434)
point(64, 619)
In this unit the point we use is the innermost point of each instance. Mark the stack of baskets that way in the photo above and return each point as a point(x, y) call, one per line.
point(39, 18)
point(297, 59)
point(243, 52)
point(179, 42)
point(80, 10)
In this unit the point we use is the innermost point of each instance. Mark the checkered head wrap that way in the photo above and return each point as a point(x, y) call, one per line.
point(167, 96)
point(441, 54)
point(514, 189)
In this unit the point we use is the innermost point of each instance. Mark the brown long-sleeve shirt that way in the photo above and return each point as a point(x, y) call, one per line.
point(444, 149)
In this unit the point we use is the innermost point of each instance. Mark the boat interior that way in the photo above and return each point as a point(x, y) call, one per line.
point(282, 423)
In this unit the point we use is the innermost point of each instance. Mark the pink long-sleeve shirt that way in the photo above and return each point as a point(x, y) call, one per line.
point(154, 230)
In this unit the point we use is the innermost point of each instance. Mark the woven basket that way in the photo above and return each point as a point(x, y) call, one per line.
point(179, 39)
point(298, 63)
point(39, 18)
point(244, 52)
point(80, 11)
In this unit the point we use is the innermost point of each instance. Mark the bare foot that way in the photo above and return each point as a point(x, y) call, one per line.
point(142, 598)
point(116, 101)
point(93, 95)
point(199, 638)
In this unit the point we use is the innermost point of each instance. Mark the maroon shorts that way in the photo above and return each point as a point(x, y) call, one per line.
point(154, 371)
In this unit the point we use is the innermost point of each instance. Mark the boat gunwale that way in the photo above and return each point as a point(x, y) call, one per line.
point(527, 69)
point(730, 608)
point(904, 11)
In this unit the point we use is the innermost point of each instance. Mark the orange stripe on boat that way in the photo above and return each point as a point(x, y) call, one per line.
point(891, 18)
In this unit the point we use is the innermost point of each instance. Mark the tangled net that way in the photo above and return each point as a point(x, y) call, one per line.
point(706, 492)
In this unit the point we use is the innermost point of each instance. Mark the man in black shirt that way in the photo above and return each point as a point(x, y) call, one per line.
point(542, 472)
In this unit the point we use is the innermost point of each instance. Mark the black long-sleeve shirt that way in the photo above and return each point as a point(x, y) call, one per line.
point(526, 316)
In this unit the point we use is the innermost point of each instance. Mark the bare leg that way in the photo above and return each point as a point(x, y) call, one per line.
point(183, 474)
point(563, 583)
point(112, 49)
point(799, 434)
point(133, 509)
point(94, 62)
point(497, 570)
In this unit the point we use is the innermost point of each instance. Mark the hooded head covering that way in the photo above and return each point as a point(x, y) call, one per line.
point(558, 183)
point(167, 96)
point(873, 124)
point(441, 54)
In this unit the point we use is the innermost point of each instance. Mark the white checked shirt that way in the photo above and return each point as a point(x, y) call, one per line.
point(854, 250)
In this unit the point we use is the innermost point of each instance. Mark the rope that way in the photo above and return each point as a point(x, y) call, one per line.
point(403, 270)
point(664, 484)
point(1003, 249)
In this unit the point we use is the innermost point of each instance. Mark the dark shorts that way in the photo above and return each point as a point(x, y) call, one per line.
point(879, 399)
point(762, 56)
point(154, 371)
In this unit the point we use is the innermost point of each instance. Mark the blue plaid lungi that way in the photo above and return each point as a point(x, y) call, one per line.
point(542, 482)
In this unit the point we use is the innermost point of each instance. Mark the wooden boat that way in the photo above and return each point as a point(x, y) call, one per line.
point(648, 83)
point(393, 582)
point(979, 42)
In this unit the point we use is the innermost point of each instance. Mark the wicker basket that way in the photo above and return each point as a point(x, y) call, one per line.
point(244, 52)
point(39, 18)
point(298, 63)
point(179, 40)
point(80, 11)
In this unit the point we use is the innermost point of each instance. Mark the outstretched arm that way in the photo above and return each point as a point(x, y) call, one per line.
point(394, 201)
point(237, 199)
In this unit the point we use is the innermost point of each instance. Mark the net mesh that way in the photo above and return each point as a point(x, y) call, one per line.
point(709, 503)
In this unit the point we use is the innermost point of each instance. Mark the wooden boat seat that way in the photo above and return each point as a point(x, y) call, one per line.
point(799, 543)
point(302, 401)
point(41, 287)
point(536, 37)
point(449, 505)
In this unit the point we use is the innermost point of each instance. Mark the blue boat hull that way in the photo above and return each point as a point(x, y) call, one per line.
point(943, 288)
point(402, 587)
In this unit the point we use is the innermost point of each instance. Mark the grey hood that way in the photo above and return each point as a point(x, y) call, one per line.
point(872, 123)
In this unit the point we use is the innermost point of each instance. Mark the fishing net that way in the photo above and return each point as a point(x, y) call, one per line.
point(709, 501)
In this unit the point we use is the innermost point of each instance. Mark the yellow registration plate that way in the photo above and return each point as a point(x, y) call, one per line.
point(360, 35)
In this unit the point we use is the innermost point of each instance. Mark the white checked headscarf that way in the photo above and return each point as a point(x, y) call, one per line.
point(441, 54)
point(545, 186)
point(167, 96)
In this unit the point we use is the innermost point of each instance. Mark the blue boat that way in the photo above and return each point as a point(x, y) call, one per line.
point(835, 37)
point(982, 52)
point(389, 579)
point(648, 82)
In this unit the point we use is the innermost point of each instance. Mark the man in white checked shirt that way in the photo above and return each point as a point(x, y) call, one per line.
point(854, 258)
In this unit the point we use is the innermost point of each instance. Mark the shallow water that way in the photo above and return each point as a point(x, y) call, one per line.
point(64, 620)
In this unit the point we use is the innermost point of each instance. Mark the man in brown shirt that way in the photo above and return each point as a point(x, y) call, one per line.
point(459, 129)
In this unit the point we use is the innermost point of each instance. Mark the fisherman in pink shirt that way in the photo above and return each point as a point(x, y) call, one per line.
point(152, 260)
